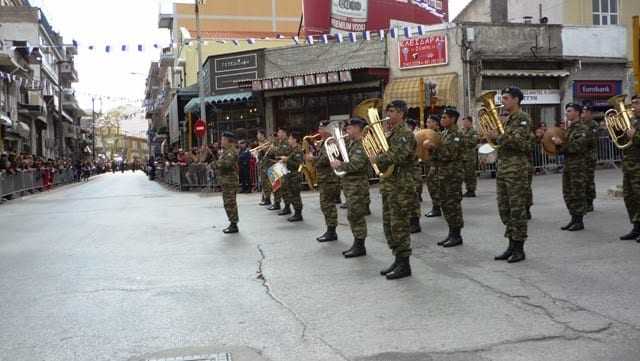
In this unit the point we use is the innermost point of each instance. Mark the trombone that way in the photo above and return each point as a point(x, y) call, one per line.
point(266, 145)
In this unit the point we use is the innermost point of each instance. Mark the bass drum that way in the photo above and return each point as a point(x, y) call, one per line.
point(487, 154)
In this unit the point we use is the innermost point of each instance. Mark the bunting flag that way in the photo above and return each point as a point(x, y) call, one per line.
point(407, 32)
point(296, 39)
point(124, 48)
point(339, 38)
point(367, 35)
point(139, 47)
point(310, 39)
point(393, 33)
point(251, 41)
point(235, 42)
point(381, 34)
point(353, 37)
point(420, 30)
point(107, 48)
point(325, 39)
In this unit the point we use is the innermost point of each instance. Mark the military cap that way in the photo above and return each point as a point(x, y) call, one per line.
point(356, 121)
point(577, 107)
point(514, 92)
point(400, 105)
point(229, 135)
point(324, 123)
point(587, 106)
point(452, 113)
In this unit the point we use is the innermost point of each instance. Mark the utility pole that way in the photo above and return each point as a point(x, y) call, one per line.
point(203, 107)
point(93, 128)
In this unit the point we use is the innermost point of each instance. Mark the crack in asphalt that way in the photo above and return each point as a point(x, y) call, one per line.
point(269, 291)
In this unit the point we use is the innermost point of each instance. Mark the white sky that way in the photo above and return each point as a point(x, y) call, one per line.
point(118, 22)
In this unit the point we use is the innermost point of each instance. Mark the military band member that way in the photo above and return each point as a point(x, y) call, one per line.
point(355, 184)
point(328, 186)
point(631, 172)
point(513, 148)
point(587, 118)
point(227, 174)
point(398, 189)
point(264, 165)
point(470, 156)
point(433, 123)
point(574, 175)
point(449, 158)
point(414, 221)
point(280, 149)
point(292, 179)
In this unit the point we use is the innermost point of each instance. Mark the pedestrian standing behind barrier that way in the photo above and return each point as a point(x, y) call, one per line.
point(244, 157)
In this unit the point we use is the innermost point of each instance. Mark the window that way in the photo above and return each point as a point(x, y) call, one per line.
point(605, 12)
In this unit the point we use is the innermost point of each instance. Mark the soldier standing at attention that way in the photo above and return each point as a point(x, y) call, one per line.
point(355, 184)
point(227, 174)
point(292, 179)
point(280, 149)
point(470, 156)
point(433, 123)
point(513, 148)
point(398, 189)
point(449, 158)
point(593, 126)
point(574, 176)
point(631, 172)
point(264, 165)
point(328, 185)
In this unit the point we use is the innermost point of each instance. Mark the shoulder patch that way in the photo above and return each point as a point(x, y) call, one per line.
point(523, 123)
point(456, 139)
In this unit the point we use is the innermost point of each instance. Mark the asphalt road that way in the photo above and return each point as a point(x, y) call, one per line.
point(123, 268)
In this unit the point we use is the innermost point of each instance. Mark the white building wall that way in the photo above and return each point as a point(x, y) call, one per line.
point(577, 41)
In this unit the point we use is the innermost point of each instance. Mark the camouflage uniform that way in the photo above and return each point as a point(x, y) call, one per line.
point(591, 163)
point(265, 163)
point(281, 149)
point(513, 189)
point(531, 171)
point(292, 179)
point(418, 179)
point(227, 174)
point(356, 188)
point(574, 175)
point(329, 187)
point(449, 158)
point(631, 175)
point(398, 189)
point(470, 158)
point(432, 183)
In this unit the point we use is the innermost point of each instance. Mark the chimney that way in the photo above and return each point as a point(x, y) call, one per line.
point(499, 11)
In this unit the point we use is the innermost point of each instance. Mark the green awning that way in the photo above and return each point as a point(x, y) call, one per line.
point(193, 106)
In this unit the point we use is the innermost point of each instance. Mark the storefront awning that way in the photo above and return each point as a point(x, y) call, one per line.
point(23, 129)
point(526, 73)
point(446, 89)
point(193, 105)
point(42, 120)
point(6, 121)
point(411, 90)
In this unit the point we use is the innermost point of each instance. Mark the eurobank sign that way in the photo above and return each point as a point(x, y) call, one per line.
point(331, 16)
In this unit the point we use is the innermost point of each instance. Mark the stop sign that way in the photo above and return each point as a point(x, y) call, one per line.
point(200, 128)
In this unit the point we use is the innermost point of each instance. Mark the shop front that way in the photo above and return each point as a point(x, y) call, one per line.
point(596, 92)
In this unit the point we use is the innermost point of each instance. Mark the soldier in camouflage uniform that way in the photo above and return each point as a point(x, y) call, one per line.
point(398, 189)
point(355, 184)
point(574, 175)
point(264, 165)
point(449, 158)
point(292, 179)
point(227, 174)
point(631, 172)
point(328, 185)
point(513, 147)
point(470, 156)
point(280, 149)
point(414, 221)
point(433, 123)
point(587, 118)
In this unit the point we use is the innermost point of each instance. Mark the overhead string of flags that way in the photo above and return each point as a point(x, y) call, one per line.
point(339, 37)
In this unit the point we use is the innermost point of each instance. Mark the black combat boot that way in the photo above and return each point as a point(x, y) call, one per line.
point(470, 194)
point(518, 252)
point(455, 240)
point(435, 212)
point(573, 220)
point(357, 250)
point(285, 210)
point(446, 239)
point(338, 199)
point(635, 233)
point(297, 216)
point(233, 228)
point(402, 270)
point(529, 213)
point(329, 235)
point(578, 225)
point(506, 254)
point(414, 225)
point(393, 266)
point(274, 207)
point(265, 202)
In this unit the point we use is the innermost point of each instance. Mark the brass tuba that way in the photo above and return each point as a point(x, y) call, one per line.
point(374, 139)
point(488, 116)
point(307, 167)
point(335, 145)
point(618, 121)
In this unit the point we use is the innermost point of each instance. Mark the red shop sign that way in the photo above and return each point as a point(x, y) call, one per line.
point(423, 51)
point(199, 128)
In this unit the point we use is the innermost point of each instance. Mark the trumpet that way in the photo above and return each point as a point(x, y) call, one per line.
point(266, 145)
point(335, 146)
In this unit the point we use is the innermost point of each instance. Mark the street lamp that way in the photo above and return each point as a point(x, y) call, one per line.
point(203, 107)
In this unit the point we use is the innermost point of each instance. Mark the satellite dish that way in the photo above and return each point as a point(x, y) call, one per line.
point(544, 20)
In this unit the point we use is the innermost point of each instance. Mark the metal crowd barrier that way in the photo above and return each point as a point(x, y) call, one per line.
point(30, 181)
